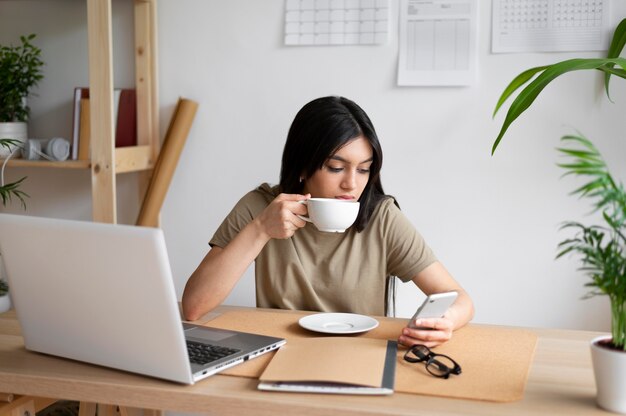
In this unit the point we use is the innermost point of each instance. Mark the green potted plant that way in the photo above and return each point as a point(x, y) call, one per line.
point(20, 71)
point(7, 192)
point(601, 248)
point(5, 300)
point(602, 253)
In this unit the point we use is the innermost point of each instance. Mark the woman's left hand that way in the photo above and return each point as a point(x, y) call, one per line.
point(429, 332)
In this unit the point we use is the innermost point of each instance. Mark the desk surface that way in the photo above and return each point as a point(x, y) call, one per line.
point(560, 382)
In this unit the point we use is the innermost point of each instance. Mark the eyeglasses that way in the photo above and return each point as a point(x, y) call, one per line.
point(438, 365)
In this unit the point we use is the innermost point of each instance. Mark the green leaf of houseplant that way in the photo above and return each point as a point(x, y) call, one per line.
point(617, 45)
point(517, 82)
point(9, 190)
point(528, 95)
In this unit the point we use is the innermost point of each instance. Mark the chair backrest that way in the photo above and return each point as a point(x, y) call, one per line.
point(391, 287)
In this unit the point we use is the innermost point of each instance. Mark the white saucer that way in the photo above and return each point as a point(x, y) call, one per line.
point(338, 323)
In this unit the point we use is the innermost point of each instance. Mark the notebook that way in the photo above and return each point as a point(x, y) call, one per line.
point(337, 365)
point(104, 294)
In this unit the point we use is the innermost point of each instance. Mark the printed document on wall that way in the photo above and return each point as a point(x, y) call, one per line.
point(438, 42)
point(550, 25)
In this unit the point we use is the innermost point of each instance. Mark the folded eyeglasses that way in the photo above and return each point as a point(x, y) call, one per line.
point(439, 365)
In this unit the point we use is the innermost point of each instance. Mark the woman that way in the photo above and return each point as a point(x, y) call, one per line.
point(332, 151)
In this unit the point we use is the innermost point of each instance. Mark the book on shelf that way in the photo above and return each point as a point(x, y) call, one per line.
point(84, 136)
point(79, 93)
point(337, 365)
point(124, 115)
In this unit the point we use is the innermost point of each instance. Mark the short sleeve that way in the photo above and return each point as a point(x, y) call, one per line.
point(243, 212)
point(407, 252)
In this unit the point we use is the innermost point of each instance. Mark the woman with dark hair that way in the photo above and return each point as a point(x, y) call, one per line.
point(332, 151)
point(321, 128)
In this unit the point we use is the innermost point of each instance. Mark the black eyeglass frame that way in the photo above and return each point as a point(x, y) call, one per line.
point(430, 359)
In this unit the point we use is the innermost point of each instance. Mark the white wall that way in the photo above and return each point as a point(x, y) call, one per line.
point(493, 221)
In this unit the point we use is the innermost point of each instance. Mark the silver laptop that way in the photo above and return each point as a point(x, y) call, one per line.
point(104, 294)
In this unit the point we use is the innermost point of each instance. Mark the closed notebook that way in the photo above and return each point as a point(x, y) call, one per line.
point(339, 365)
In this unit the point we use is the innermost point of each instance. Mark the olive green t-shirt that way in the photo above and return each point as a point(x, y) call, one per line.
point(330, 272)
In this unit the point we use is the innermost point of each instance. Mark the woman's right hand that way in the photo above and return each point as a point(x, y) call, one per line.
point(280, 218)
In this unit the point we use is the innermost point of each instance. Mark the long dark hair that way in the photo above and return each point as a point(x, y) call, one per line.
point(320, 128)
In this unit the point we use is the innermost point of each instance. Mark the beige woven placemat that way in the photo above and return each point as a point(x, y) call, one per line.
point(495, 361)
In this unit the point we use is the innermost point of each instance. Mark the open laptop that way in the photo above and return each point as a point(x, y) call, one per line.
point(104, 294)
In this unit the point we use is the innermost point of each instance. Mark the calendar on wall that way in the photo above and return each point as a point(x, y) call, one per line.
point(550, 25)
point(336, 22)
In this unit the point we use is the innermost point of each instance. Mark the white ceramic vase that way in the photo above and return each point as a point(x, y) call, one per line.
point(5, 303)
point(609, 367)
point(15, 130)
point(5, 300)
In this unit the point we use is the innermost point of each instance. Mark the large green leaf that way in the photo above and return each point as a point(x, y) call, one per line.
point(528, 95)
point(615, 49)
point(517, 82)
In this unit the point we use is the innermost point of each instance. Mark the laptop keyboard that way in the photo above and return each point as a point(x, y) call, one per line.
point(201, 353)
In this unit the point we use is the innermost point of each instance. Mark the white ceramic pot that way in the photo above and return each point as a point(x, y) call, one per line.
point(5, 300)
point(5, 303)
point(3, 273)
point(16, 130)
point(609, 367)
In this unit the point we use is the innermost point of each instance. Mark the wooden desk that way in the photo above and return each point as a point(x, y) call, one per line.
point(560, 382)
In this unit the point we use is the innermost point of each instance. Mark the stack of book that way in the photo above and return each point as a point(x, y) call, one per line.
point(124, 114)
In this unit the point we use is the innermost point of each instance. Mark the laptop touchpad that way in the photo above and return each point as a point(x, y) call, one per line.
point(208, 334)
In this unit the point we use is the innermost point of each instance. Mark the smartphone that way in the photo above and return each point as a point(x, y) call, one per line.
point(434, 306)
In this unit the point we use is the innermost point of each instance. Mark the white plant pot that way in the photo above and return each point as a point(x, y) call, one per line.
point(15, 130)
point(5, 303)
point(5, 300)
point(609, 367)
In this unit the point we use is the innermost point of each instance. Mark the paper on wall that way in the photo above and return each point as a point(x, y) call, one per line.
point(438, 42)
point(550, 26)
point(336, 22)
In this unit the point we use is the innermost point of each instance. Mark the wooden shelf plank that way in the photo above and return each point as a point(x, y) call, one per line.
point(68, 164)
point(127, 159)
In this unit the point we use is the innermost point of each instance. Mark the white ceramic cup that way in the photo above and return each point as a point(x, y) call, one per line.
point(331, 215)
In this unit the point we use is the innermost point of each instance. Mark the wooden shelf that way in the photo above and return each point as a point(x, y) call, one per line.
point(127, 159)
point(69, 164)
point(106, 161)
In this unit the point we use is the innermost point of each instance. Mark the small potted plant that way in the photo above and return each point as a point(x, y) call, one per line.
point(20, 71)
point(602, 248)
point(7, 192)
point(602, 252)
point(5, 300)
